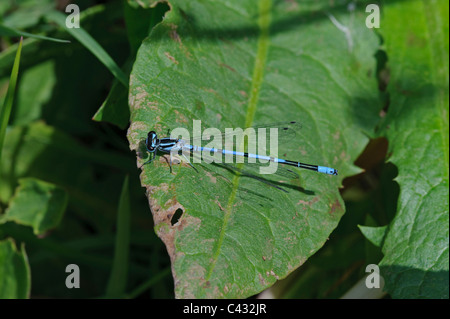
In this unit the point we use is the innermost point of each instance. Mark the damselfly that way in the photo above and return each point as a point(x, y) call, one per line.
point(171, 146)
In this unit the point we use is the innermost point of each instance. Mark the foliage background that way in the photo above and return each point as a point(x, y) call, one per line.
point(65, 197)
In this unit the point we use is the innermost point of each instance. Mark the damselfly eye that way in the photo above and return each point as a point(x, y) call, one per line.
point(152, 141)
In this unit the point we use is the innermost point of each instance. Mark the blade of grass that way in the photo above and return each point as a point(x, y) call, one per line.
point(85, 39)
point(10, 32)
point(5, 112)
point(147, 284)
point(118, 279)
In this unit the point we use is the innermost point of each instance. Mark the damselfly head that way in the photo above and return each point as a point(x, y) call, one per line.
point(152, 141)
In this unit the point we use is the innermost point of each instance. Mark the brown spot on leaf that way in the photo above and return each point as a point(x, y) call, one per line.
point(336, 205)
point(181, 118)
point(337, 136)
point(210, 90)
point(153, 105)
point(186, 288)
point(218, 204)
point(176, 37)
point(272, 273)
point(415, 41)
point(262, 280)
point(212, 178)
point(308, 203)
point(171, 58)
point(227, 66)
point(174, 34)
point(293, 5)
point(162, 214)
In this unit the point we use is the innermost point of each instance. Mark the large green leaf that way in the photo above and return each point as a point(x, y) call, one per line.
point(415, 263)
point(236, 64)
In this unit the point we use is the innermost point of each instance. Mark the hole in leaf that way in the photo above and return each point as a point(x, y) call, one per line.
point(176, 217)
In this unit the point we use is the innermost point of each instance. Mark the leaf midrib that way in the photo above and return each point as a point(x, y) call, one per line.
point(264, 19)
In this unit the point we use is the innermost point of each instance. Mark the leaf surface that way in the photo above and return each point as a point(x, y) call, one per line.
point(238, 64)
point(416, 263)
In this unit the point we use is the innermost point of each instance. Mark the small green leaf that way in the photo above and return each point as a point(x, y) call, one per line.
point(25, 14)
point(15, 275)
point(38, 204)
point(374, 234)
point(34, 92)
point(115, 108)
